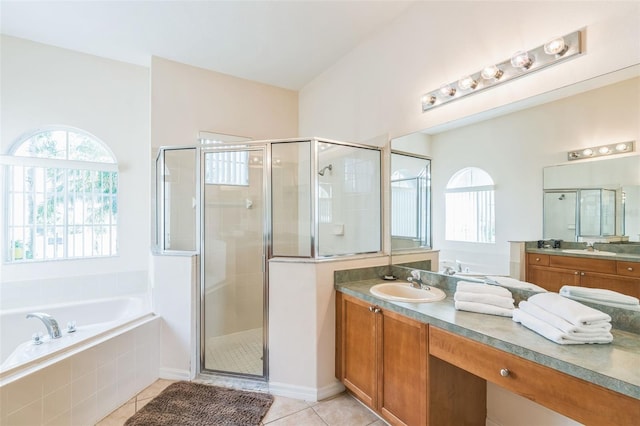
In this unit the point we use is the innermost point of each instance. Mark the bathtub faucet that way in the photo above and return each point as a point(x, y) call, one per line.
point(52, 325)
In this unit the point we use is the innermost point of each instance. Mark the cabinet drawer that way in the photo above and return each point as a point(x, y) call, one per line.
point(628, 269)
point(583, 401)
point(538, 259)
point(584, 264)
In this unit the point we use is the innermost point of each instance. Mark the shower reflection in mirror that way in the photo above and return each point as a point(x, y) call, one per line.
point(410, 201)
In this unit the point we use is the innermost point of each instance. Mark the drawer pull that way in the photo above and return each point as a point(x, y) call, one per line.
point(629, 268)
point(504, 372)
point(374, 309)
point(537, 259)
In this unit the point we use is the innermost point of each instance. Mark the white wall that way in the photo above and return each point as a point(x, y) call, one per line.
point(44, 85)
point(376, 88)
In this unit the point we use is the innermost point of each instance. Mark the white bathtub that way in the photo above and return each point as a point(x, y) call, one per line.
point(111, 356)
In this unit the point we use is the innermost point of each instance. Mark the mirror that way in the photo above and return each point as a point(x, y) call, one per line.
point(514, 145)
point(410, 201)
point(593, 200)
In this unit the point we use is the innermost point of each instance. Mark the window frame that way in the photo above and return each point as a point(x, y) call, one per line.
point(105, 173)
point(479, 203)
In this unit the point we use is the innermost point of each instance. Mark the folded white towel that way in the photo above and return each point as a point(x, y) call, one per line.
point(574, 312)
point(469, 287)
point(489, 299)
point(513, 283)
point(598, 295)
point(482, 308)
point(562, 324)
point(550, 332)
point(612, 304)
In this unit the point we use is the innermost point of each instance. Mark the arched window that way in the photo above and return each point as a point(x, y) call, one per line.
point(470, 207)
point(62, 197)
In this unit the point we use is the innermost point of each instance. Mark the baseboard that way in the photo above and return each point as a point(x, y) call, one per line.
point(304, 392)
point(174, 374)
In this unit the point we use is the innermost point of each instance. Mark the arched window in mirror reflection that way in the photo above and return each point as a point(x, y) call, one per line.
point(470, 207)
point(410, 202)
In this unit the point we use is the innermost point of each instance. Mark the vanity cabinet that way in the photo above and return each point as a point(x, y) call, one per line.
point(582, 401)
point(552, 272)
point(383, 359)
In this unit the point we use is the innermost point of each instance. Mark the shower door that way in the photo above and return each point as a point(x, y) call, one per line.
point(233, 337)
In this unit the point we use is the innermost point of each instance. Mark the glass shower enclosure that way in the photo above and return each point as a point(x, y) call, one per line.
point(240, 203)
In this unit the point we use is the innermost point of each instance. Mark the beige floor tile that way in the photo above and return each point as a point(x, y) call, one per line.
point(282, 407)
point(141, 403)
point(306, 417)
point(154, 389)
point(118, 417)
point(344, 410)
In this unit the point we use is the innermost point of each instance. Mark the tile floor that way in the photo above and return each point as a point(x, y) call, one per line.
point(237, 352)
point(341, 410)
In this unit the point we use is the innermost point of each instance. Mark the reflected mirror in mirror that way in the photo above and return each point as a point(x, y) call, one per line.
point(410, 201)
point(593, 199)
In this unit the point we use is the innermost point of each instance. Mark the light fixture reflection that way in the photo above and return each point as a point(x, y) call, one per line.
point(602, 150)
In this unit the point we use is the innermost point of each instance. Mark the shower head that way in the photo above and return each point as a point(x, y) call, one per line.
point(561, 197)
point(324, 169)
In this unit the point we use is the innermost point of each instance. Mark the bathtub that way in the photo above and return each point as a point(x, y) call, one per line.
point(111, 355)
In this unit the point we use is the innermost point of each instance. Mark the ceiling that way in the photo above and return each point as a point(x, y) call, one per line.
point(282, 43)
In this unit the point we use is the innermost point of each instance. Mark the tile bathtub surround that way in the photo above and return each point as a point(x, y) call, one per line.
point(82, 388)
point(339, 410)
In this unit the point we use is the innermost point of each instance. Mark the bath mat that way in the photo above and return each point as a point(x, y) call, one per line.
point(195, 404)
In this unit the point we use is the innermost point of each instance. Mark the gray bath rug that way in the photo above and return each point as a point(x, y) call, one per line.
point(195, 404)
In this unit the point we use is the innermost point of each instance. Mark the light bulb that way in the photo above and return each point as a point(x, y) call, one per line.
point(467, 82)
point(447, 90)
point(491, 71)
point(603, 150)
point(557, 46)
point(522, 60)
point(428, 100)
point(587, 152)
point(621, 147)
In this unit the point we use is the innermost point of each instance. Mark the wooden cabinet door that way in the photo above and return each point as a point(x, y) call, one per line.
point(402, 384)
point(358, 351)
point(624, 285)
point(552, 279)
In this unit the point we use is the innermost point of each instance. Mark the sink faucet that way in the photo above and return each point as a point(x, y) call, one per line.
point(415, 280)
point(590, 247)
point(448, 270)
point(52, 325)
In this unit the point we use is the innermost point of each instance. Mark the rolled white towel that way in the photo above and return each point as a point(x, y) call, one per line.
point(560, 323)
point(574, 312)
point(489, 299)
point(598, 295)
point(482, 308)
point(514, 283)
point(469, 287)
point(550, 332)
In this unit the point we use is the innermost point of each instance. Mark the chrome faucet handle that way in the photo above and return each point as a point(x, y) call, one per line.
point(71, 327)
point(37, 338)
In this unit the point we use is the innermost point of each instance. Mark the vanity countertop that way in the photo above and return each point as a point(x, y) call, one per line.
point(613, 366)
point(626, 257)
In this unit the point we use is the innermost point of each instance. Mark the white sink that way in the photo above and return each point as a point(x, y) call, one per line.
point(594, 252)
point(401, 292)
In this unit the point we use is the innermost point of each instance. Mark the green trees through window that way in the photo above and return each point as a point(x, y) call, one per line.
point(62, 188)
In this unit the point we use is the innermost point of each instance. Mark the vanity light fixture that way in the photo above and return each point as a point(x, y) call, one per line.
point(601, 151)
point(519, 64)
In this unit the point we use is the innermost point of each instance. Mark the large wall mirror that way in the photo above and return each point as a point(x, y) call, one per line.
point(514, 144)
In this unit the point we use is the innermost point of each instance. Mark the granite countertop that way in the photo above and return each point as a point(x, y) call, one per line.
point(613, 366)
point(627, 257)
